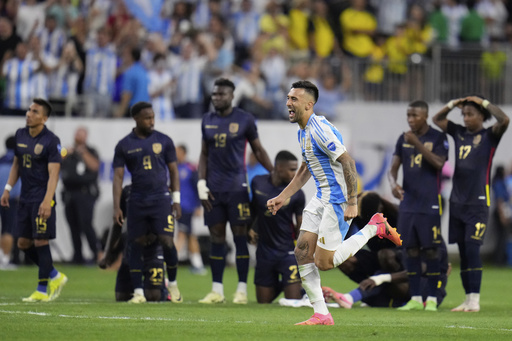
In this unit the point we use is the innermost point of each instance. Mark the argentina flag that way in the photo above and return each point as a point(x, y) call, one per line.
point(147, 12)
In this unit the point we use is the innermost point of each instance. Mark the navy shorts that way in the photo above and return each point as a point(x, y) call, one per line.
point(272, 270)
point(185, 223)
point(153, 216)
point(229, 206)
point(30, 226)
point(419, 229)
point(8, 216)
point(467, 223)
point(153, 272)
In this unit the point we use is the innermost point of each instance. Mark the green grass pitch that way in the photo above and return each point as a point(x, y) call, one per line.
point(86, 310)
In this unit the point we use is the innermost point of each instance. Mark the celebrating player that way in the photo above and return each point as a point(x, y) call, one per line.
point(222, 185)
point(327, 216)
point(470, 198)
point(148, 155)
point(37, 162)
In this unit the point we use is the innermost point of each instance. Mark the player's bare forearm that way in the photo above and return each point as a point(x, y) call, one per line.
point(435, 160)
point(113, 238)
point(261, 155)
point(350, 174)
point(203, 161)
point(298, 181)
point(117, 187)
point(53, 179)
point(502, 119)
point(174, 175)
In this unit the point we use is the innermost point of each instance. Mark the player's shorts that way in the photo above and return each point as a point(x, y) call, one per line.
point(419, 229)
point(153, 272)
point(229, 206)
point(272, 270)
point(8, 216)
point(153, 216)
point(185, 223)
point(30, 226)
point(327, 221)
point(467, 223)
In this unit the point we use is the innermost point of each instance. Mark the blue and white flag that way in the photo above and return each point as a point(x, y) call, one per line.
point(147, 12)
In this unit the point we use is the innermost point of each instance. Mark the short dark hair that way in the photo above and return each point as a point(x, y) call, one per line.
point(485, 113)
point(224, 82)
point(135, 52)
point(45, 104)
point(138, 107)
point(419, 104)
point(10, 142)
point(182, 146)
point(284, 156)
point(309, 87)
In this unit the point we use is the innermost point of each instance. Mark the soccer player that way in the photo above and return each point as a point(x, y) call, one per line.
point(470, 197)
point(148, 155)
point(222, 185)
point(153, 269)
point(276, 235)
point(37, 162)
point(327, 216)
point(421, 152)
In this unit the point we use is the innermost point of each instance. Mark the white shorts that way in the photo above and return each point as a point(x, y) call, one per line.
point(327, 221)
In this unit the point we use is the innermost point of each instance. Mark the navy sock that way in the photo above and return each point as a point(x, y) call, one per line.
point(242, 258)
point(217, 261)
point(356, 294)
point(45, 266)
point(136, 263)
point(31, 253)
point(414, 273)
point(474, 271)
point(464, 267)
point(433, 274)
point(171, 259)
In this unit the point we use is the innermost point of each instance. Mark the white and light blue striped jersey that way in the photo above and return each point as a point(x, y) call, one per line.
point(162, 104)
point(18, 89)
point(321, 144)
point(100, 70)
point(52, 42)
point(246, 26)
point(189, 74)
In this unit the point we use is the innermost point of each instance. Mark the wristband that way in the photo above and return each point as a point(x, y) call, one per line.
point(450, 104)
point(8, 187)
point(379, 279)
point(485, 103)
point(202, 189)
point(176, 197)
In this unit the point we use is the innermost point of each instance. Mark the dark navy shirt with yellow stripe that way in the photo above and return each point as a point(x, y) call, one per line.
point(34, 154)
point(473, 154)
point(421, 181)
point(226, 138)
point(146, 159)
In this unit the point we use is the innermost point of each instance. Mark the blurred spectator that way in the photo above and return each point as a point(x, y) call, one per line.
point(65, 76)
point(390, 13)
point(502, 215)
point(298, 29)
point(493, 64)
point(30, 18)
point(245, 27)
point(160, 89)
point(134, 84)
point(472, 26)
point(273, 69)
point(322, 40)
point(495, 14)
point(52, 37)
point(47, 62)
point(374, 72)
point(154, 44)
point(78, 38)
point(100, 73)
point(8, 39)
point(18, 72)
point(250, 93)
point(358, 26)
point(333, 90)
point(178, 21)
point(79, 173)
point(454, 10)
point(65, 13)
point(274, 28)
point(439, 23)
point(397, 53)
point(8, 214)
point(418, 31)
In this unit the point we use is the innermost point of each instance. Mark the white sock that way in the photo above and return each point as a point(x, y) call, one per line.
point(218, 288)
point(138, 291)
point(418, 299)
point(432, 299)
point(474, 298)
point(353, 244)
point(311, 284)
point(196, 260)
point(242, 287)
point(349, 298)
point(173, 284)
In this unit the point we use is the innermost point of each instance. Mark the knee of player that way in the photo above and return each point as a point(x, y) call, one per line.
point(387, 260)
point(24, 244)
point(166, 241)
point(153, 295)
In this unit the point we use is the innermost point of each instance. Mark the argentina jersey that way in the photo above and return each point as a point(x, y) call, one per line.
point(321, 144)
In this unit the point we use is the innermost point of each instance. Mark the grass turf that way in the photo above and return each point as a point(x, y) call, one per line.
point(86, 311)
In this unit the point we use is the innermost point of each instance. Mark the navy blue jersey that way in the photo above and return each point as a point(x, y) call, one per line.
point(146, 159)
point(473, 153)
point(276, 232)
point(226, 139)
point(34, 154)
point(421, 180)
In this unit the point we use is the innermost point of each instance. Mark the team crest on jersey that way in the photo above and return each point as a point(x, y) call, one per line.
point(308, 145)
point(428, 145)
point(331, 146)
point(157, 148)
point(38, 149)
point(477, 139)
point(233, 128)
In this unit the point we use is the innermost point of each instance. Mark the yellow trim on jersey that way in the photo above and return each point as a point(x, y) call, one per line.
point(487, 195)
point(439, 199)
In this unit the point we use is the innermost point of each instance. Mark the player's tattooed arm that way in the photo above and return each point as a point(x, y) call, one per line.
point(302, 250)
point(350, 173)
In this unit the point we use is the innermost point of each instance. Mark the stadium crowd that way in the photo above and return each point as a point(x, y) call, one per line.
point(98, 57)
